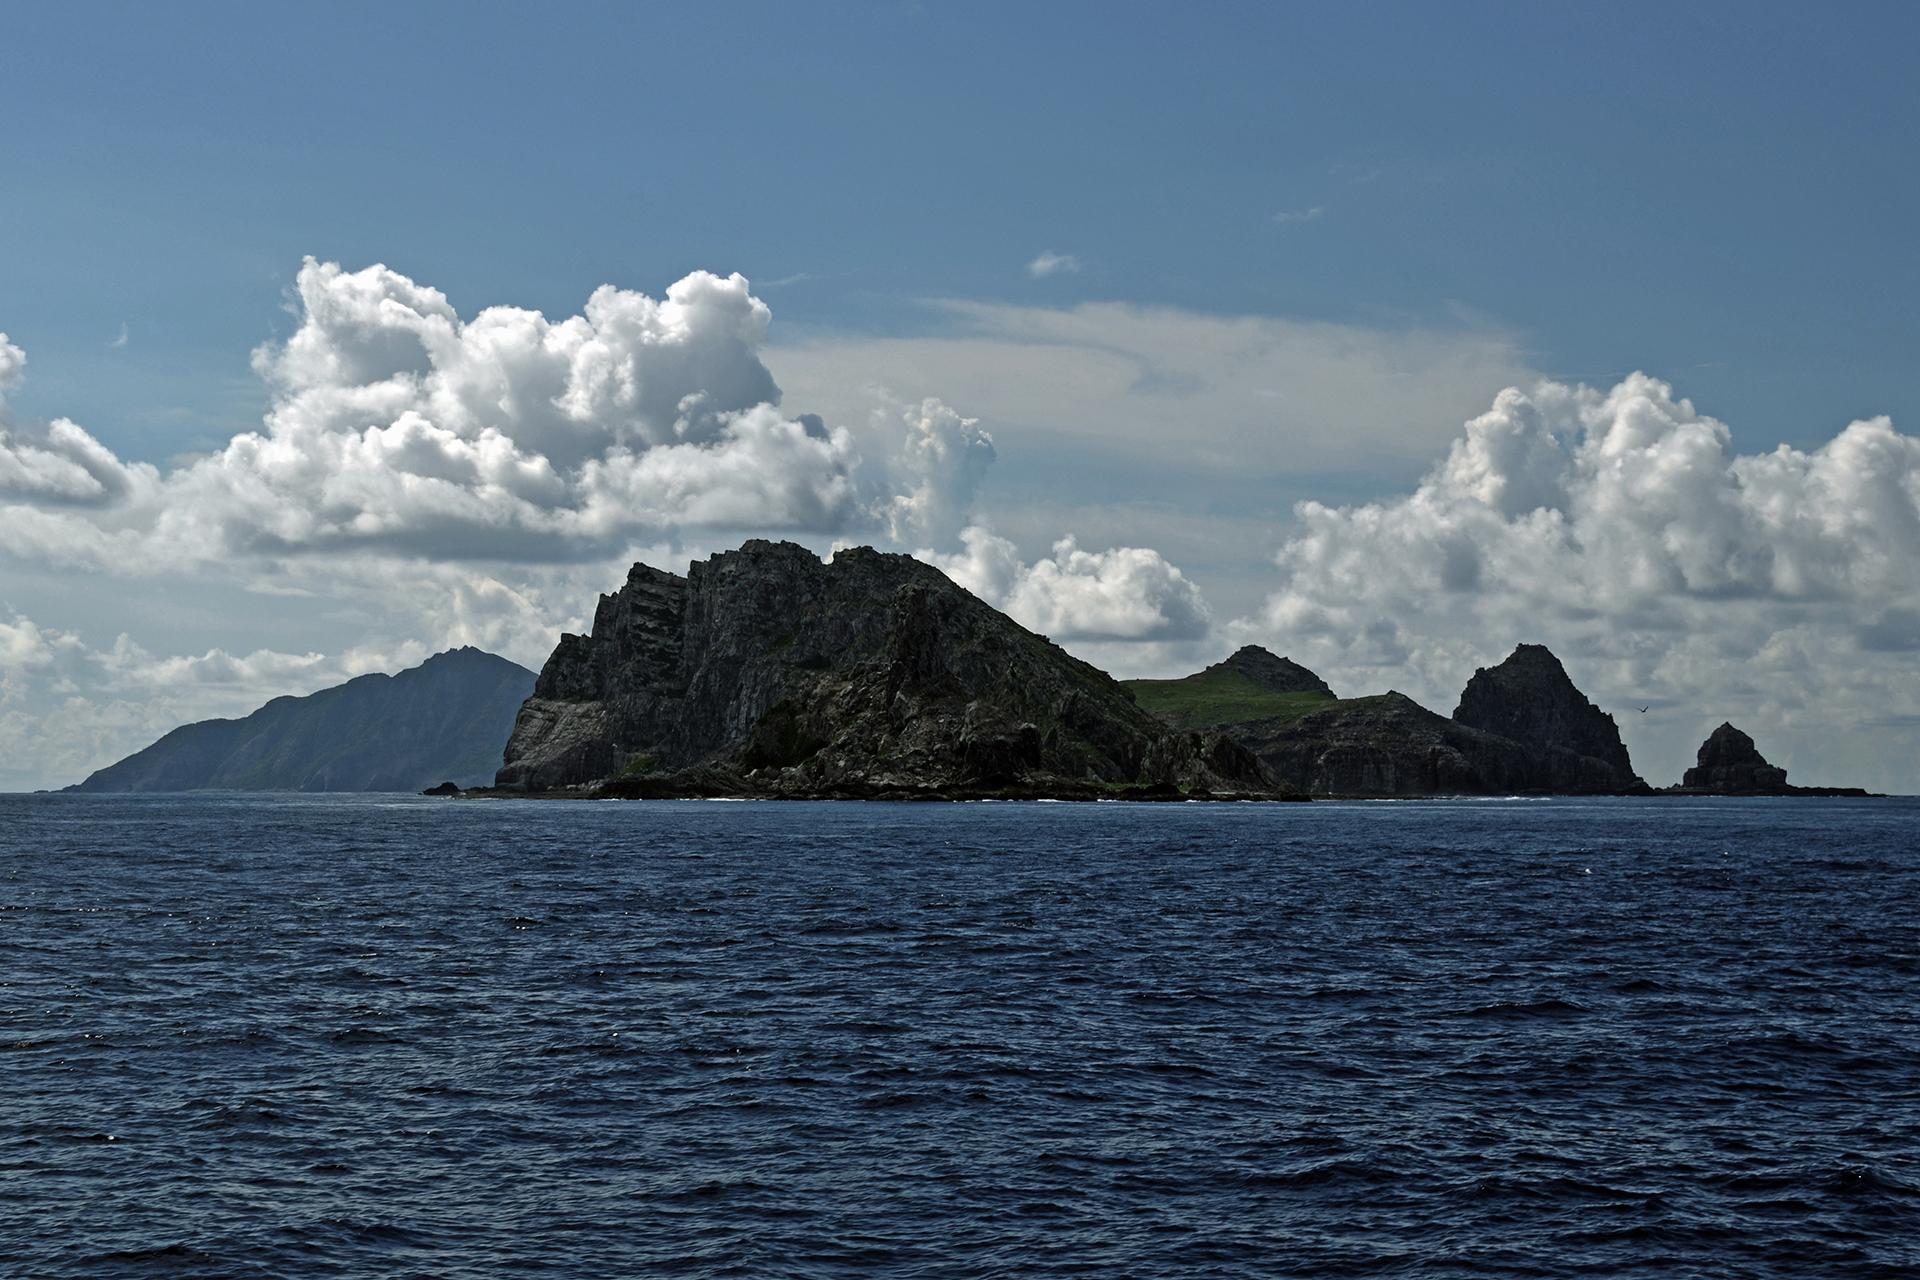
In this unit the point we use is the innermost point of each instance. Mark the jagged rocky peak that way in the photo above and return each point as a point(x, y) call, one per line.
point(1730, 763)
point(766, 671)
point(1275, 675)
point(1530, 700)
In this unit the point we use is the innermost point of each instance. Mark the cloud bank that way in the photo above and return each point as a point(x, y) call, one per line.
point(441, 481)
point(1230, 398)
point(396, 426)
point(1779, 590)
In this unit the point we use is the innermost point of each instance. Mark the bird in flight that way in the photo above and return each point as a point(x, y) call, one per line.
point(1643, 710)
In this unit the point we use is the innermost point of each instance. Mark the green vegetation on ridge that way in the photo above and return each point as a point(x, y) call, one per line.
point(1219, 696)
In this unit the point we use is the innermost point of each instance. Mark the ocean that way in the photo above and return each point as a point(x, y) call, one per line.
point(291, 1036)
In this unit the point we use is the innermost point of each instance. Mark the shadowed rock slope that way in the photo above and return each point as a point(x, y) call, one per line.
point(1530, 700)
point(1388, 745)
point(444, 720)
point(1522, 728)
point(766, 672)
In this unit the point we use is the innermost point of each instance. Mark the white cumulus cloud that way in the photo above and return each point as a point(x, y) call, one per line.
point(937, 462)
point(13, 362)
point(396, 425)
point(1621, 528)
point(59, 465)
point(1125, 593)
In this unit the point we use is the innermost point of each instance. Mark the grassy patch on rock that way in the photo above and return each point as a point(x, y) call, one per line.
point(1216, 697)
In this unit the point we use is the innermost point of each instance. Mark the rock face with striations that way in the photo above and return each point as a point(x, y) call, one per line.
point(1529, 699)
point(767, 672)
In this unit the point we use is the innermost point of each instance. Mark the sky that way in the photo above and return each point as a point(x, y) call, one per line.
point(1387, 336)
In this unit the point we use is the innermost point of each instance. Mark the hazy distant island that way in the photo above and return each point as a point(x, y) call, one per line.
point(443, 720)
point(765, 672)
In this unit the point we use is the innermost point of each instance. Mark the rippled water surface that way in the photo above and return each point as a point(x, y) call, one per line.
point(309, 1036)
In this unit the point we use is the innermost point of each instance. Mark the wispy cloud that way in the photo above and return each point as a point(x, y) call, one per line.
point(1052, 264)
point(120, 341)
point(1298, 215)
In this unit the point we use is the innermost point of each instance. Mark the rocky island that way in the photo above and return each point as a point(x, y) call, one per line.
point(1521, 728)
point(444, 719)
point(765, 672)
point(1730, 765)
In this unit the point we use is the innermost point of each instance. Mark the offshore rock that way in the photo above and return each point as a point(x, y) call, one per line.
point(1529, 699)
point(1729, 764)
point(765, 672)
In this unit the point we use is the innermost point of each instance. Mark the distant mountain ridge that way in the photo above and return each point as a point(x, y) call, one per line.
point(447, 719)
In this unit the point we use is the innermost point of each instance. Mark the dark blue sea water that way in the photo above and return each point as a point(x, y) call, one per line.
point(285, 1036)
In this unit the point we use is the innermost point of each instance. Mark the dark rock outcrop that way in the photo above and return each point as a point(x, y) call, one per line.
point(767, 672)
point(1275, 675)
point(447, 718)
point(1522, 728)
point(1529, 699)
point(1729, 764)
point(1387, 745)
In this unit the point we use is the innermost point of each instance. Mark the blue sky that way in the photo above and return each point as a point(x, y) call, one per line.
point(1722, 195)
point(1471, 196)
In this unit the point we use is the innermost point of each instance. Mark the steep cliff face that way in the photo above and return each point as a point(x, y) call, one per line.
point(1529, 699)
point(765, 671)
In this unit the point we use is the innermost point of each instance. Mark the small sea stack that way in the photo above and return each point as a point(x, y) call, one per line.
point(1730, 765)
